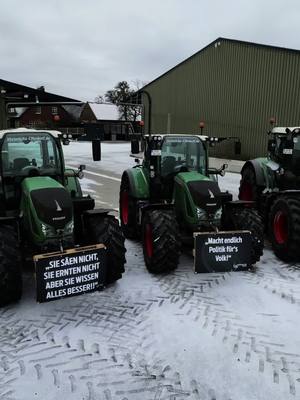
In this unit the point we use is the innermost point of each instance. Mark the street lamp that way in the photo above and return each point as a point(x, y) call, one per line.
point(149, 108)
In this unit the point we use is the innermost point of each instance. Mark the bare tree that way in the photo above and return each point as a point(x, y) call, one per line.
point(124, 96)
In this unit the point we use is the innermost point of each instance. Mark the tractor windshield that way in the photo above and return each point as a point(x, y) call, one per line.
point(182, 153)
point(24, 154)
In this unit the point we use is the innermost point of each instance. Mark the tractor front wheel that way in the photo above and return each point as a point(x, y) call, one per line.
point(10, 266)
point(247, 219)
point(161, 241)
point(106, 230)
point(284, 228)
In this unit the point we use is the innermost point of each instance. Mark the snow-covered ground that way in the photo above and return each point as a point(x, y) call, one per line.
point(222, 336)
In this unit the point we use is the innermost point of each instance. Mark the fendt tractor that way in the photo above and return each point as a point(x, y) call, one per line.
point(273, 183)
point(173, 195)
point(43, 210)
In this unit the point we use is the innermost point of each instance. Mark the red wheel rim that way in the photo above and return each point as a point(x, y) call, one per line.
point(246, 192)
point(148, 240)
point(280, 226)
point(124, 207)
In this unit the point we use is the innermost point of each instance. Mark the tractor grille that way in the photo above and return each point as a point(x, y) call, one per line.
point(53, 206)
point(206, 195)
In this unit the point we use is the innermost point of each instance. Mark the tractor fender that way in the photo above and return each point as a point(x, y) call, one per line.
point(5, 220)
point(157, 206)
point(258, 170)
point(72, 183)
point(139, 184)
point(98, 211)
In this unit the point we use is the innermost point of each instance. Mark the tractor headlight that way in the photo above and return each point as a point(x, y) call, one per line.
point(69, 228)
point(201, 214)
point(218, 213)
point(48, 230)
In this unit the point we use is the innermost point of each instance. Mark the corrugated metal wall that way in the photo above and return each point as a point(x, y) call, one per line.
point(235, 87)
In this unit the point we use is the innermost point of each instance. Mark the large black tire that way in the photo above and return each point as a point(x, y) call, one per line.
point(161, 241)
point(10, 266)
point(284, 228)
point(249, 190)
point(128, 210)
point(106, 229)
point(247, 219)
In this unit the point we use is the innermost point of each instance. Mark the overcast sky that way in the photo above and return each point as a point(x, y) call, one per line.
point(81, 48)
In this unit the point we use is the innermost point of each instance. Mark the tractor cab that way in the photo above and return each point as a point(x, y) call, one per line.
point(25, 154)
point(284, 149)
point(167, 155)
point(182, 154)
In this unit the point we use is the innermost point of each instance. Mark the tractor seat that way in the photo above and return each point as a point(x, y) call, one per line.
point(168, 165)
point(20, 163)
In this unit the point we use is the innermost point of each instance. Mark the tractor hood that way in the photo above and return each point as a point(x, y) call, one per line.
point(205, 192)
point(51, 201)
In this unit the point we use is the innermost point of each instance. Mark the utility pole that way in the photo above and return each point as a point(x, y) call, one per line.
point(3, 117)
point(142, 91)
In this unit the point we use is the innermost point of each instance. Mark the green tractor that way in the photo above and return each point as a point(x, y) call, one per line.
point(173, 195)
point(43, 210)
point(274, 184)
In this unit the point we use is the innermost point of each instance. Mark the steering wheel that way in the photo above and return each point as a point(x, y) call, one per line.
point(31, 170)
point(181, 167)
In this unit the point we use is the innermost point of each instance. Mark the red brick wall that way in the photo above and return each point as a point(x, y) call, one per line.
point(46, 118)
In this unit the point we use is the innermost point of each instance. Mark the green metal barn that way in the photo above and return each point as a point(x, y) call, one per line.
point(234, 87)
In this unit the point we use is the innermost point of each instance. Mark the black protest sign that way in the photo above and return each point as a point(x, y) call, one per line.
point(70, 273)
point(222, 251)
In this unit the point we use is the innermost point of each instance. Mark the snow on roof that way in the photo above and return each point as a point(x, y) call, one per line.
point(74, 110)
point(18, 111)
point(30, 131)
point(105, 111)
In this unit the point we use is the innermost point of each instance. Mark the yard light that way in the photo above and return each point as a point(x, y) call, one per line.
point(201, 125)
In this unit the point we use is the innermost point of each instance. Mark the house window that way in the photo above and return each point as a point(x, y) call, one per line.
point(38, 110)
point(54, 110)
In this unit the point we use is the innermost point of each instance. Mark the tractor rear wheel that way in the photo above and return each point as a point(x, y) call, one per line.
point(10, 266)
point(284, 228)
point(249, 191)
point(161, 241)
point(128, 210)
point(106, 229)
point(247, 219)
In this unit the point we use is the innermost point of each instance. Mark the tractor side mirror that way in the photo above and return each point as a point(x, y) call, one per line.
point(96, 145)
point(135, 146)
point(80, 173)
point(237, 148)
point(222, 169)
